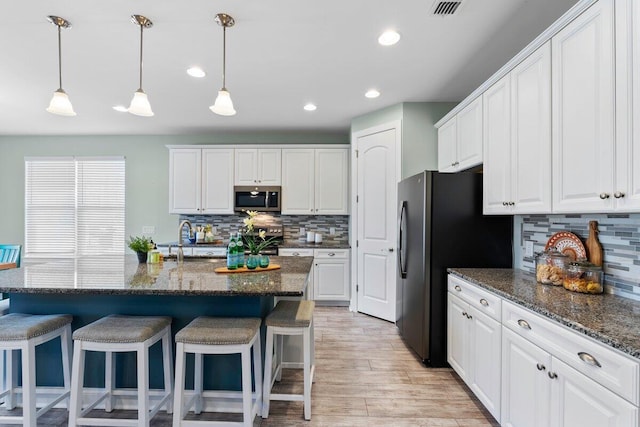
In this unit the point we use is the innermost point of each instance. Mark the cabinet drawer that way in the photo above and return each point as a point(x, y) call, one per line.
point(210, 251)
point(295, 252)
point(604, 365)
point(484, 301)
point(331, 254)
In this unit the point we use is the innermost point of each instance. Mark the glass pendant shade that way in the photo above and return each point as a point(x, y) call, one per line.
point(140, 104)
point(223, 105)
point(60, 104)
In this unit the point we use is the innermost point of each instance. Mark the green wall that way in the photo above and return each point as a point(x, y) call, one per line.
point(147, 172)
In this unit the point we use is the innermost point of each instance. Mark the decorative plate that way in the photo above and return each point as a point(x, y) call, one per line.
point(568, 244)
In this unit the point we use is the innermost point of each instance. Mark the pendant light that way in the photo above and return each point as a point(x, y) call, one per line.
point(223, 105)
point(140, 103)
point(60, 103)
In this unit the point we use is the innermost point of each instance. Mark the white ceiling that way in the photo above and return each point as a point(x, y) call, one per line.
point(280, 55)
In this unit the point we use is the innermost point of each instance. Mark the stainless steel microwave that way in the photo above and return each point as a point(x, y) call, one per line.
point(256, 198)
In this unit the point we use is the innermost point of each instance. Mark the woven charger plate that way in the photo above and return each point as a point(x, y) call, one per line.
point(568, 244)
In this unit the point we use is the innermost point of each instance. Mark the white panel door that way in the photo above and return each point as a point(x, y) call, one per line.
point(269, 166)
point(526, 387)
point(447, 151)
point(578, 401)
point(331, 280)
point(485, 360)
point(331, 181)
point(457, 335)
point(531, 133)
point(184, 180)
point(469, 135)
point(217, 181)
point(377, 188)
point(298, 185)
point(496, 170)
point(246, 166)
point(583, 112)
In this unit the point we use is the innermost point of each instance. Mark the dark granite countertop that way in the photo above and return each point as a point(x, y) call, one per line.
point(286, 244)
point(123, 275)
point(610, 319)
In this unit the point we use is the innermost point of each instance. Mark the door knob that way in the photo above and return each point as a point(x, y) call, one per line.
point(390, 249)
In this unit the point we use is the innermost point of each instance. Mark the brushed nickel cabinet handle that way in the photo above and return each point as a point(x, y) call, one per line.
point(464, 313)
point(604, 196)
point(552, 375)
point(484, 302)
point(457, 288)
point(296, 254)
point(524, 324)
point(587, 358)
point(618, 194)
point(540, 367)
point(331, 254)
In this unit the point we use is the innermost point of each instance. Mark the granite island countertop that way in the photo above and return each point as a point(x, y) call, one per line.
point(286, 244)
point(608, 318)
point(123, 275)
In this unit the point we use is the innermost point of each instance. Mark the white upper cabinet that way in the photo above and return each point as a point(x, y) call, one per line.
point(583, 112)
point(315, 181)
point(460, 139)
point(517, 135)
point(201, 181)
point(257, 166)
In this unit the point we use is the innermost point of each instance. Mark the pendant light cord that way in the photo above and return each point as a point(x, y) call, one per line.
point(141, 33)
point(59, 57)
point(224, 56)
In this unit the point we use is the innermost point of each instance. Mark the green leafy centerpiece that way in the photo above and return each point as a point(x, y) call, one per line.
point(256, 242)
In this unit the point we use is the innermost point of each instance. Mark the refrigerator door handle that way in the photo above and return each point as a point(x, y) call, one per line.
point(402, 259)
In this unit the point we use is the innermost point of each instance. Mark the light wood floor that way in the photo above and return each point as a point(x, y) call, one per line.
point(365, 376)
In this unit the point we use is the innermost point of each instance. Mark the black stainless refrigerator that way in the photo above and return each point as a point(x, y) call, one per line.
point(440, 226)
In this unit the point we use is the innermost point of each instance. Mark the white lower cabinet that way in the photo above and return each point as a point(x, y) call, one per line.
point(543, 374)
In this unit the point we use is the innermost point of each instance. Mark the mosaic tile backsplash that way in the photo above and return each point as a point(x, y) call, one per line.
point(227, 224)
point(619, 235)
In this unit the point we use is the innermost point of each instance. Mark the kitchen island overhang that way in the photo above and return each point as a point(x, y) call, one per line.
point(90, 288)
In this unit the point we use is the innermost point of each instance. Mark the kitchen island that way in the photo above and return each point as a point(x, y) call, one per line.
point(90, 288)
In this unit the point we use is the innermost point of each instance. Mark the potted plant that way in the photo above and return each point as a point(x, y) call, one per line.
point(256, 242)
point(141, 245)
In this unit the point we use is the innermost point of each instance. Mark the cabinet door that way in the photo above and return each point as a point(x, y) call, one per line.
point(217, 181)
point(583, 112)
point(184, 180)
point(246, 166)
point(496, 182)
point(331, 181)
point(578, 401)
point(447, 146)
point(485, 360)
point(298, 187)
point(469, 135)
point(269, 166)
point(457, 335)
point(526, 387)
point(331, 280)
point(531, 133)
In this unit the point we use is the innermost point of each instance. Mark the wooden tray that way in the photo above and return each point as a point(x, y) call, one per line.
point(225, 270)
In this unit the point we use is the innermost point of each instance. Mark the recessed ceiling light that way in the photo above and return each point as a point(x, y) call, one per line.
point(196, 72)
point(389, 38)
point(372, 93)
point(120, 108)
point(310, 107)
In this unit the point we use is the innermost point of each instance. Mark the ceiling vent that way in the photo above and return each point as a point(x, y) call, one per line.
point(445, 8)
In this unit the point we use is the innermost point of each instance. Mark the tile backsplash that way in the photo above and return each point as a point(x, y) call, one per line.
point(619, 235)
point(227, 224)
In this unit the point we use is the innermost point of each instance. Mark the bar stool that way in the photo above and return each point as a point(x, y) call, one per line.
point(24, 332)
point(117, 334)
point(217, 335)
point(289, 318)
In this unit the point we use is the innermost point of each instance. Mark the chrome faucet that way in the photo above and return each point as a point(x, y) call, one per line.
point(180, 251)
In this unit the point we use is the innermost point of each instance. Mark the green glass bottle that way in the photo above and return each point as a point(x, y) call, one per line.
point(232, 252)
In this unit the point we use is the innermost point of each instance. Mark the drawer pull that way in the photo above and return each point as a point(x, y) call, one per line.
point(296, 254)
point(484, 302)
point(331, 254)
point(540, 367)
point(457, 288)
point(524, 324)
point(552, 375)
point(587, 358)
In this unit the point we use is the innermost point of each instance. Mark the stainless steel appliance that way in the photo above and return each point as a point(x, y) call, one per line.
point(440, 226)
point(256, 198)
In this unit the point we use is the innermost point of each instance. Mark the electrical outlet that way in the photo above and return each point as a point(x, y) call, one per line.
point(148, 229)
point(528, 248)
point(332, 230)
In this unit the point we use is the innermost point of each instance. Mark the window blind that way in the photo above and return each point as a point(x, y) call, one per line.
point(74, 206)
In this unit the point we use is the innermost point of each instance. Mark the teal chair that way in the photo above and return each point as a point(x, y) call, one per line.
point(10, 253)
